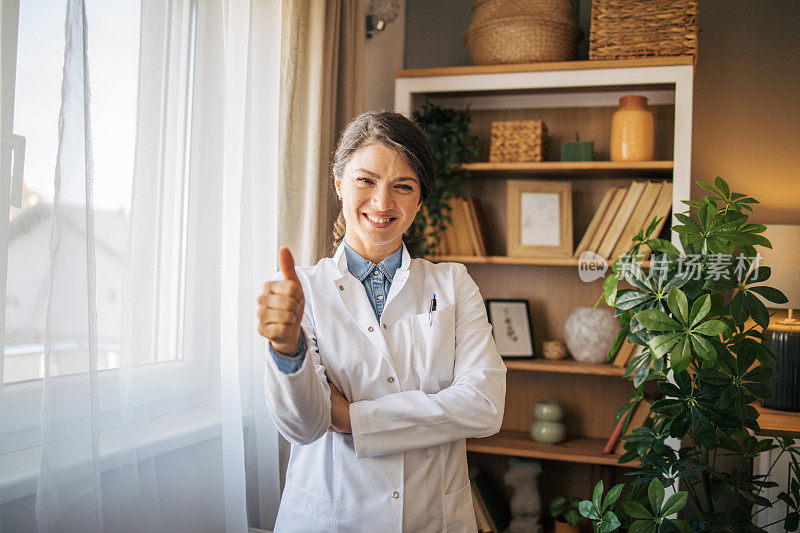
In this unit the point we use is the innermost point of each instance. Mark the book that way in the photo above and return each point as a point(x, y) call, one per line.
point(621, 218)
point(477, 221)
point(661, 208)
point(595, 222)
point(640, 414)
point(607, 218)
point(637, 219)
point(624, 353)
point(460, 222)
point(470, 227)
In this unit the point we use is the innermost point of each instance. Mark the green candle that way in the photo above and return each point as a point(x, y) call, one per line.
point(577, 151)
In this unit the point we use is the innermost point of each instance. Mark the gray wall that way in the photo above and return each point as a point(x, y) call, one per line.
point(746, 123)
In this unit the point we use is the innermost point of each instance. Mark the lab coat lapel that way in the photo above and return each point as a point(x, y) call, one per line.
point(355, 300)
point(400, 278)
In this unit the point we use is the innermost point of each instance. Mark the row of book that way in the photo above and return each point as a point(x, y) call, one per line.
point(624, 212)
point(640, 413)
point(464, 235)
point(626, 352)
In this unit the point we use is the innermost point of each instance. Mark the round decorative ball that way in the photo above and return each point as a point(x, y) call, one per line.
point(554, 350)
point(548, 411)
point(589, 333)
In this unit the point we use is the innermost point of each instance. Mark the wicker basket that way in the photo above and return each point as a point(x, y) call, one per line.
point(632, 28)
point(517, 141)
point(484, 11)
point(521, 39)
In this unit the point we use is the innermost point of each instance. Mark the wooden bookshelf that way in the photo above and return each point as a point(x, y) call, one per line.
point(568, 366)
point(575, 96)
point(778, 423)
point(575, 449)
point(590, 167)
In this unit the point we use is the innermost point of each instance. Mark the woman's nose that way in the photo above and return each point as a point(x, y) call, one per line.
point(382, 199)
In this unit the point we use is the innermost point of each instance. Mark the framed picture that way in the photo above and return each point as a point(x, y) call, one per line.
point(511, 326)
point(539, 218)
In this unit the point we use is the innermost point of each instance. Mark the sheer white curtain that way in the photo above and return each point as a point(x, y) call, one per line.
point(169, 432)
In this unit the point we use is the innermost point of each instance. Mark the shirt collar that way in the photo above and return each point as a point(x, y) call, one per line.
point(360, 268)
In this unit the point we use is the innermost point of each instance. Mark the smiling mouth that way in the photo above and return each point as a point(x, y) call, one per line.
point(380, 221)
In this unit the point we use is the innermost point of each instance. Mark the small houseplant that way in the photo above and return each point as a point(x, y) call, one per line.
point(453, 145)
point(710, 367)
point(565, 514)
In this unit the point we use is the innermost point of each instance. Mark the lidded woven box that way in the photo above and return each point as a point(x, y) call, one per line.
point(518, 141)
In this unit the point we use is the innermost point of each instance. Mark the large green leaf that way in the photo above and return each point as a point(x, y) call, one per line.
point(681, 356)
point(663, 246)
point(674, 503)
point(757, 309)
point(662, 344)
point(711, 328)
point(739, 309)
point(678, 304)
point(770, 293)
point(635, 509)
point(700, 309)
point(643, 526)
point(655, 494)
point(656, 320)
point(703, 348)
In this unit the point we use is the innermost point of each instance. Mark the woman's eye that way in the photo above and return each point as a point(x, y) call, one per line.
point(406, 187)
point(363, 180)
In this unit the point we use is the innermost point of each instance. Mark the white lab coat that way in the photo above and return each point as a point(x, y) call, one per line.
point(419, 386)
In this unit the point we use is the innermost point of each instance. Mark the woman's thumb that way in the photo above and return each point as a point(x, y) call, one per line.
point(287, 264)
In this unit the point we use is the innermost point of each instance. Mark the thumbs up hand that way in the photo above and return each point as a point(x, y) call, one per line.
point(280, 307)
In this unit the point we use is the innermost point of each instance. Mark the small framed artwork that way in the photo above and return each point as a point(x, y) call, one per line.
point(511, 326)
point(539, 218)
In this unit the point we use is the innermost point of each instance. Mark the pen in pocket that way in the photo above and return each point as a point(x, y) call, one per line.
point(431, 309)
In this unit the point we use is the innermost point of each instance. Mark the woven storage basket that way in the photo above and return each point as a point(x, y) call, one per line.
point(634, 28)
point(522, 39)
point(517, 141)
point(484, 11)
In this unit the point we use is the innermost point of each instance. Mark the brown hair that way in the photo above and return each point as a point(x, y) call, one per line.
point(399, 133)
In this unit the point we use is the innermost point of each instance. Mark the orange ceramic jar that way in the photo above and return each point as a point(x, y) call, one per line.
point(632, 130)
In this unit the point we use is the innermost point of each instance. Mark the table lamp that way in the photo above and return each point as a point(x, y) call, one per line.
point(783, 333)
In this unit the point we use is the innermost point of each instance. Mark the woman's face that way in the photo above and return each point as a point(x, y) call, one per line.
point(380, 196)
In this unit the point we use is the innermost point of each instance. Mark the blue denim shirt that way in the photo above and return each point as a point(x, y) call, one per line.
point(376, 279)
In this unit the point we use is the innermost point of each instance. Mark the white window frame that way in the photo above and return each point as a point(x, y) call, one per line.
point(183, 382)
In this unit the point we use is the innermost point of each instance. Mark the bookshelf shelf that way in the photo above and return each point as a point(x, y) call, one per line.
point(590, 167)
point(510, 260)
point(778, 423)
point(564, 367)
point(519, 444)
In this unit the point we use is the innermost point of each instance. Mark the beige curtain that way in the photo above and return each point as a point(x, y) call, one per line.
point(322, 89)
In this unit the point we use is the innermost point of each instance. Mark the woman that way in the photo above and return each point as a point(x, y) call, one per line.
point(381, 365)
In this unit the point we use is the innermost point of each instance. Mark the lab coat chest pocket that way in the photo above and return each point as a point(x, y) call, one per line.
point(434, 349)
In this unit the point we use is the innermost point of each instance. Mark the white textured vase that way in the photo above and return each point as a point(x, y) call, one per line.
point(589, 333)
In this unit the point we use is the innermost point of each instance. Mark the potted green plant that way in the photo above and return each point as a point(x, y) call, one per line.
point(709, 364)
point(453, 145)
point(565, 514)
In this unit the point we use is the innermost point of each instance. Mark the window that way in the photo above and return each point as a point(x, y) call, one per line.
point(32, 102)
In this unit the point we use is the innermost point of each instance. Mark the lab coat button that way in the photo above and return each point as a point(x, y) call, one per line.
point(370, 329)
point(390, 379)
point(395, 495)
point(384, 325)
point(341, 287)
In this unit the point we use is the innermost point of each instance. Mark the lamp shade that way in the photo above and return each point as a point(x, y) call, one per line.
point(784, 260)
